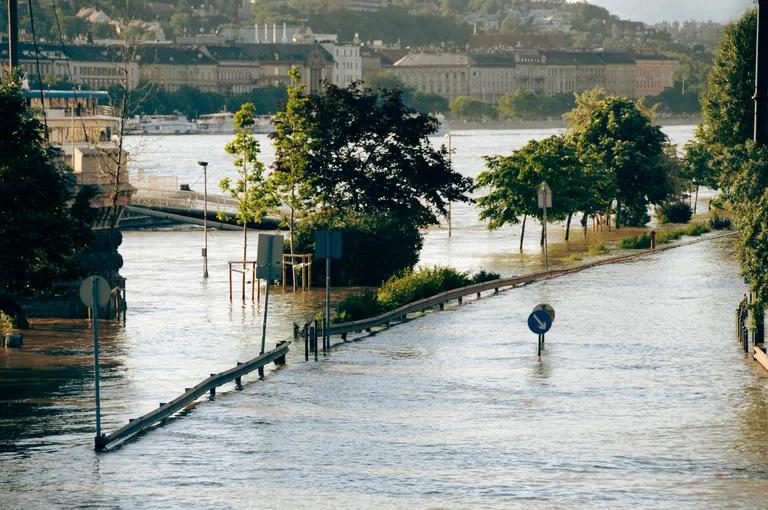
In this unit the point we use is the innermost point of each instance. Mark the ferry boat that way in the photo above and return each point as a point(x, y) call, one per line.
point(224, 123)
point(161, 125)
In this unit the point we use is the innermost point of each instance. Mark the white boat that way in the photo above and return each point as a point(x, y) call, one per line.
point(218, 123)
point(161, 125)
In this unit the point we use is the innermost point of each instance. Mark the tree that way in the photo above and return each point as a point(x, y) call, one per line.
point(514, 181)
point(292, 131)
point(727, 104)
point(464, 107)
point(40, 235)
point(253, 197)
point(379, 160)
point(619, 138)
point(375, 176)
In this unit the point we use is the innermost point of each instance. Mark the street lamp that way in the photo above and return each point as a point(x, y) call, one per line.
point(204, 164)
point(450, 162)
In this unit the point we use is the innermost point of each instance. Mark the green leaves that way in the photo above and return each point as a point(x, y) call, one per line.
point(249, 189)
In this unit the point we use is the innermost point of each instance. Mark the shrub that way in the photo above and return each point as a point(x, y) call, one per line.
point(696, 229)
point(674, 212)
point(373, 248)
point(668, 236)
point(636, 242)
point(412, 285)
point(357, 306)
point(484, 276)
point(720, 223)
point(634, 216)
point(574, 257)
point(7, 323)
point(598, 249)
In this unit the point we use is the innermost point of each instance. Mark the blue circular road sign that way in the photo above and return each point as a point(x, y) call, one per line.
point(539, 322)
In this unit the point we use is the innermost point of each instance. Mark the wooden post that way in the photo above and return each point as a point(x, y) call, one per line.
point(653, 239)
point(229, 264)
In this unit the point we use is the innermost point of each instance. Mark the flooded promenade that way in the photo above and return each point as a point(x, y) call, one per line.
point(643, 397)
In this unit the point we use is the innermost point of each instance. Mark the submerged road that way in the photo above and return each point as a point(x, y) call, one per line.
point(642, 399)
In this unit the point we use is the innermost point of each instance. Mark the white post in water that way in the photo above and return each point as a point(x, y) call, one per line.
point(95, 318)
point(204, 164)
point(545, 202)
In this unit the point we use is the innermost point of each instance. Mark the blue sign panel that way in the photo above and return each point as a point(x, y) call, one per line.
point(539, 322)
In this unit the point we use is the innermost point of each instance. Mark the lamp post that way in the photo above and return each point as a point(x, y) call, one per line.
point(450, 162)
point(204, 164)
point(13, 34)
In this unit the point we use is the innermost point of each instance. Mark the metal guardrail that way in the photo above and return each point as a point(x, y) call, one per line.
point(208, 385)
point(495, 285)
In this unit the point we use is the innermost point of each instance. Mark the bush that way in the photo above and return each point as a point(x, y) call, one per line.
point(484, 276)
point(411, 286)
point(696, 229)
point(674, 212)
point(634, 216)
point(720, 223)
point(636, 242)
point(373, 248)
point(668, 236)
point(358, 306)
point(598, 249)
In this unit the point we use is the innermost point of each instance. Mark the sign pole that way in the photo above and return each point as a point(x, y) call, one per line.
point(95, 319)
point(546, 247)
point(266, 299)
point(327, 286)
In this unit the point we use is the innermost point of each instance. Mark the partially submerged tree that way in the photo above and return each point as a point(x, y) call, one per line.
point(248, 188)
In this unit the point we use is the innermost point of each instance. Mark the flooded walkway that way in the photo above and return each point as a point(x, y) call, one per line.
point(643, 399)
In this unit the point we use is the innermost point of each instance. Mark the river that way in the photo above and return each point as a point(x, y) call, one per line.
point(643, 397)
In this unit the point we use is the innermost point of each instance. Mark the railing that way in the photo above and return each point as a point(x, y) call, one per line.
point(440, 299)
point(208, 385)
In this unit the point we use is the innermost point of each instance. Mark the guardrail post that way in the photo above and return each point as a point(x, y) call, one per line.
point(313, 339)
point(496, 290)
point(280, 360)
point(442, 306)
point(461, 300)
point(478, 295)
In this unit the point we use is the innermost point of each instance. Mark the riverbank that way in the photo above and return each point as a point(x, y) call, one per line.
point(461, 125)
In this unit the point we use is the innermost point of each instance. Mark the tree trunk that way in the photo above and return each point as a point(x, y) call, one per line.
point(696, 200)
point(568, 226)
point(618, 215)
point(522, 233)
point(584, 221)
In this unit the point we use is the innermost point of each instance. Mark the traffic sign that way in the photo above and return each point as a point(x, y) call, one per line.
point(545, 196)
point(539, 322)
point(547, 308)
point(101, 288)
point(327, 244)
point(269, 256)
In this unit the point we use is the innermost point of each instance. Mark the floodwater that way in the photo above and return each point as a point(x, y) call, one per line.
point(642, 399)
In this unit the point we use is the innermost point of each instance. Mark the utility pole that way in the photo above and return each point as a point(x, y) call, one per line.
point(204, 164)
point(13, 33)
point(761, 115)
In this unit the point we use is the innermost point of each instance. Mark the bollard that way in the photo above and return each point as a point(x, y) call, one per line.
point(461, 300)
point(478, 295)
point(344, 337)
point(496, 291)
point(238, 383)
point(442, 306)
point(306, 342)
point(213, 392)
point(653, 239)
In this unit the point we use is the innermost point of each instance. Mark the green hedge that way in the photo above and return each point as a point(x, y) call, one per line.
point(407, 287)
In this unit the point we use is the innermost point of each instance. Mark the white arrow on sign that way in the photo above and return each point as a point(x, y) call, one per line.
point(542, 325)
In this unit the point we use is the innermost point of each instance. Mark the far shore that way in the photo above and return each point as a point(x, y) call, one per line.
point(459, 125)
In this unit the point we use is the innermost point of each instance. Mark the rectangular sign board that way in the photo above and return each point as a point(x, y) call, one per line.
point(269, 257)
point(327, 244)
point(545, 198)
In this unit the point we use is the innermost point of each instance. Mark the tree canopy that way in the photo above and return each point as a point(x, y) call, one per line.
point(40, 235)
point(365, 151)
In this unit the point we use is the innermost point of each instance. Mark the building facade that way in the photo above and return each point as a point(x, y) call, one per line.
point(653, 74)
point(445, 74)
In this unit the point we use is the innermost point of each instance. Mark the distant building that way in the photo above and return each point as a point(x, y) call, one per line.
point(275, 61)
point(236, 71)
point(445, 74)
point(653, 74)
point(366, 5)
point(92, 67)
point(170, 68)
point(347, 63)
